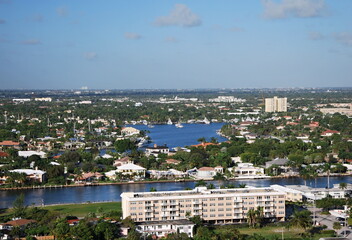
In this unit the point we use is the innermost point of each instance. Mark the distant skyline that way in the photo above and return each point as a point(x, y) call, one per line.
point(166, 44)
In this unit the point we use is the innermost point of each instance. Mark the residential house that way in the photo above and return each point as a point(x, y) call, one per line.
point(168, 174)
point(130, 169)
point(21, 223)
point(156, 150)
point(329, 133)
point(247, 170)
point(208, 172)
point(33, 175)
point(122, 161)
point(277, 161)
point(163, 228)
point(10, 144)
point(27, 154)
point(172, 161)
point(129, 131)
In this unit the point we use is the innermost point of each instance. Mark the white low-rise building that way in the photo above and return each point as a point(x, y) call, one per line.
point(127, 169)
point(35, 175)
point(129, 131)
point(27, 154)
point(163, 228)
point(247, 169)
point(311, 194)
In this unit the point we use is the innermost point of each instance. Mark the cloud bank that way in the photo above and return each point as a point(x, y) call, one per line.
point(293, 8)
point(180, 15)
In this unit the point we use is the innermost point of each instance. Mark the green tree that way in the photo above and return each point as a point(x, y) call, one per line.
point(82, 231)
point(301, 219)
point(336, 226)
point(61, 229)
point(19, 208)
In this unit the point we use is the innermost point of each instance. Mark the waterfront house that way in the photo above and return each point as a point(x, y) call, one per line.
point(248, 170)
point(122, 161)
point(208, 172)
point(90, 177)
point(129, 131)
point(129, 169)
point(33, 175)
point(278, 162)
point(155, 150)
point(167, 174)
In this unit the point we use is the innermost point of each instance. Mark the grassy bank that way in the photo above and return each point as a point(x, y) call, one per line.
point(81, 210)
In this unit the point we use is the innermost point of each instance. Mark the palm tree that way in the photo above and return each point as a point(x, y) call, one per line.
point(251, 217)
point(301, 219)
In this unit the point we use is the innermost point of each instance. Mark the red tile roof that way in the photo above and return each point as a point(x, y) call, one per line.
point(20, 222)
point(4, 154)
point(9, 143)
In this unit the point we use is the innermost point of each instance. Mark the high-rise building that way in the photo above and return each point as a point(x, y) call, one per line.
point(275, 104)
point(213, 205)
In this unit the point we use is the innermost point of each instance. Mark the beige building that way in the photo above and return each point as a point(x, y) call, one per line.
point(275, 104)
point(213, 205)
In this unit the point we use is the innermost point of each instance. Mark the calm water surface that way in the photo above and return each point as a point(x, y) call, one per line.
point(113, 192)
point(180, 137)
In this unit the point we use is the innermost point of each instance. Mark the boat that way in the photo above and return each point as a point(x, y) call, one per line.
point(206, 121)
point(178, 125)
point(150, 126)
point(169, 122)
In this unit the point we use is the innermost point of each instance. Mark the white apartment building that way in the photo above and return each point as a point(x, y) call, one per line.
point(275, 104)
point(213, 205)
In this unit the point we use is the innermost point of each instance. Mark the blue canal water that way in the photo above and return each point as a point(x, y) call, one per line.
point(113, 192)
point(180, 137)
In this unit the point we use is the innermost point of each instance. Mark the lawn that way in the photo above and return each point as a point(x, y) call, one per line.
point(81, 210)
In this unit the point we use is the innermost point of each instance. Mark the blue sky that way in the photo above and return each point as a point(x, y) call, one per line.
point(115, 44)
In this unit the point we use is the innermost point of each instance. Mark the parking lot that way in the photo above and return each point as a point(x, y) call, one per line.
point(329, 220)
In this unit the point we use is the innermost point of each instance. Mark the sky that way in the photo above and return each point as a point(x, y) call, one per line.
point(167, 44)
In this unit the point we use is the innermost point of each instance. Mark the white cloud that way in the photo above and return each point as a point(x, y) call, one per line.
point(344, 37)
point(180, 15)
point(2, 21)
point(293, 8)
point(130, 35)
point(316, 36)
point(62, 11)
point(31, 42)
point(90, 55)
